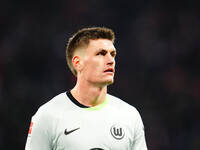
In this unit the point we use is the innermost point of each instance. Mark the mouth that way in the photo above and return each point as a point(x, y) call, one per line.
point(111, 70)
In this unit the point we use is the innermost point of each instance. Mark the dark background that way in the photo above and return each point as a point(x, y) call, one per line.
point(157, 63)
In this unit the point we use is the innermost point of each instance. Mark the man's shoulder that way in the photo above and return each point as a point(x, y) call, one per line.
point(54, 102)
point(53, 107)
point(122, 107)
point(120, 104)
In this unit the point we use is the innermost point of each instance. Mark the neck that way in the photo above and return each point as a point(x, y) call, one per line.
point(89, 95)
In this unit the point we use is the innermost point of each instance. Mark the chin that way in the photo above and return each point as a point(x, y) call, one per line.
point(108, 82)
point(105, 82)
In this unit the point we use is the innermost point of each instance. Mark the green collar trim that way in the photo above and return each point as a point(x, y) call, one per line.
point(98, 107)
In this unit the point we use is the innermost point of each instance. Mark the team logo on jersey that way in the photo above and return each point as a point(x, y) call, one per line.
point(117, 132)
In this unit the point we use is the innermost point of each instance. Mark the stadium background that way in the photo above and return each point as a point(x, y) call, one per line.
point(157, 63)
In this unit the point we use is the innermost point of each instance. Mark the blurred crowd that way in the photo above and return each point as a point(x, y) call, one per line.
point(158, 55)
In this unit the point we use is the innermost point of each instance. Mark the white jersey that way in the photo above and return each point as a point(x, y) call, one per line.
point(62, 124)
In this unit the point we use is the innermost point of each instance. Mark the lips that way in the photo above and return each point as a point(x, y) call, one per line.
point(109, 70)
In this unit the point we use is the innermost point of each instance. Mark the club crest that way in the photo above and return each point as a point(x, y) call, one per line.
point(117, 132)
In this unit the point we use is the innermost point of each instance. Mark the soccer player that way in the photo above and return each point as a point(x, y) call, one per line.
point(87, 117)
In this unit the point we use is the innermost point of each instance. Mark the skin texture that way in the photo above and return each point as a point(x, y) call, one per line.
point(95, 66)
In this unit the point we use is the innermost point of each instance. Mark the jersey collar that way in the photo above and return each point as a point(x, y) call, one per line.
point(70, 96)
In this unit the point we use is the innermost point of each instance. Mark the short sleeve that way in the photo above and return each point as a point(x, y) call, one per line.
point(39, 135)
point(139, 135)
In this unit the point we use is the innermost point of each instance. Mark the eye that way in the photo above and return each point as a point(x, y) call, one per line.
point(102, 52)
point(113, 53)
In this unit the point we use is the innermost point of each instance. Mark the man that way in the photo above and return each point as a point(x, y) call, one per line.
point(86, 117)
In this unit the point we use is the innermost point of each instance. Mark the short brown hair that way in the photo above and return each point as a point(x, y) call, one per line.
point(82, 38)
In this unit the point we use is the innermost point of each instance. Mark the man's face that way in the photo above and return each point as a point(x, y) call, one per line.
point(99, 62)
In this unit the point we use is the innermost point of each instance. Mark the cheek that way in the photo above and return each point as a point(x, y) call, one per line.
point(93, 62)
point(89, 66)
point(93, 66)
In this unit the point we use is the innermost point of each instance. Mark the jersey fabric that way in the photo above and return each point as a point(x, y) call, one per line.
point(62, 124)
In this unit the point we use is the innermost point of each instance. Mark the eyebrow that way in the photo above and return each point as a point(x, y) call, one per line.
point(102, 49)
point(113, 52)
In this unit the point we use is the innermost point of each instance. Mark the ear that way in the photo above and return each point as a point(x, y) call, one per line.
point(76, 62)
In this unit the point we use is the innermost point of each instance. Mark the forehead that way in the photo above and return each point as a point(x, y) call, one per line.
point(101, 44)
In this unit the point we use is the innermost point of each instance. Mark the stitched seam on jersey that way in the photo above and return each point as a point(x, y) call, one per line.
point(98, 107)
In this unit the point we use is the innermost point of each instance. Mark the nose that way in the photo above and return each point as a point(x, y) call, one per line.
point(110, 59)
